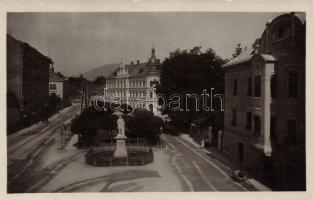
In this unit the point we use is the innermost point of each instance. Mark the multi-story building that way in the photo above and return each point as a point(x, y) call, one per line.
point(58, 86)
point(134, 84)
point(264, 124)
point(27, 80)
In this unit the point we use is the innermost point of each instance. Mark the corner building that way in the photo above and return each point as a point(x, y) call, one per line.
point(264, 124)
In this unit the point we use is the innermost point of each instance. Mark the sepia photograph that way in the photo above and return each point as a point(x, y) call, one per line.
point(197, 101)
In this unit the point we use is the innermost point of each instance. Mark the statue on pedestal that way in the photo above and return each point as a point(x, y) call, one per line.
point(120, 150)
point(121, 126)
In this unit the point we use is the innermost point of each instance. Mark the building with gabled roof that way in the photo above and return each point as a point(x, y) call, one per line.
point(56, 84)
point(27, 81)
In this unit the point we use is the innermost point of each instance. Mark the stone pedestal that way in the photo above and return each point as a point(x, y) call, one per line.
point(120, 150)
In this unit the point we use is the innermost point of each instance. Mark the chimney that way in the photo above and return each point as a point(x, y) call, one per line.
point(52, 68)
point(138, 62)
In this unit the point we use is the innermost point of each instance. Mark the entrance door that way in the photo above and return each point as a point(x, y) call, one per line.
point(241, 151)
point(151, 107)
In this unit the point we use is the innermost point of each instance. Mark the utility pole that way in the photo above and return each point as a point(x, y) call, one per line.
point(84, 97)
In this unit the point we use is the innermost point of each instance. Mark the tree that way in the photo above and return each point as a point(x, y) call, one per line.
point(60, 74)
point(238, 51)
point(74, 85)
point(89, 121)
point(190, 73)
point(100, 80)
point(196, 50)
point(143, 124)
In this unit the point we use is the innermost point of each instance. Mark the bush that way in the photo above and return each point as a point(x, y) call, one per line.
point(105, 157)
point(142, 124)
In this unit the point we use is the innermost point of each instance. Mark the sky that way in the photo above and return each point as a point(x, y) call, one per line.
point(79, 42)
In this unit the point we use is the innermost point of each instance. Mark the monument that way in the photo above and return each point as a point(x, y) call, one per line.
point(120, 150)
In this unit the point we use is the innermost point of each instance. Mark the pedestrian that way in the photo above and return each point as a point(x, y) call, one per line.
point(61, 136)
point(202, 143)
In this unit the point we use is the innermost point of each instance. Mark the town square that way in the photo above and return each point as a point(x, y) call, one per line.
point(155, 102)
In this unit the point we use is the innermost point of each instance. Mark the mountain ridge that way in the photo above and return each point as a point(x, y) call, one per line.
point(104, 70)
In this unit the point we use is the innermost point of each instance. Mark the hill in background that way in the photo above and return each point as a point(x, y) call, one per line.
point(104, 70)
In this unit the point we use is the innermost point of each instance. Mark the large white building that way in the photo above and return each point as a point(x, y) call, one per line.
point(135, 84)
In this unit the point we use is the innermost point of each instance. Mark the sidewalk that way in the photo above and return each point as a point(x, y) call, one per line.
point(41, 124)
point(213, 152)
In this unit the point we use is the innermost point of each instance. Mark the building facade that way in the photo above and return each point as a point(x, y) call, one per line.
point(27, 81)
point(135, 84)
point(264, 123)
point(56, 85)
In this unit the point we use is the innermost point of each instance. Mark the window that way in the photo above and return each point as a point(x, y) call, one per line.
point(292, 130)
point(151, 95)
point(257, 125)
point(273, 86)
point(154, 82)
point(235, 87)
point(257, 86)
point(292, 84)
point(234, 118)
point(281, 32)
point(53, 86)
point(273, 128)
point(249, 91)
point(248, 121)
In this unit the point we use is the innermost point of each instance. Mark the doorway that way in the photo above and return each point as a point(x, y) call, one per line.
point(151, 107)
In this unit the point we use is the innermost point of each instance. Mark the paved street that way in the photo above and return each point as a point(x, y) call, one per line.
point(197, 170)
point(36, 163)
point(26, 146)
point(181, 167)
